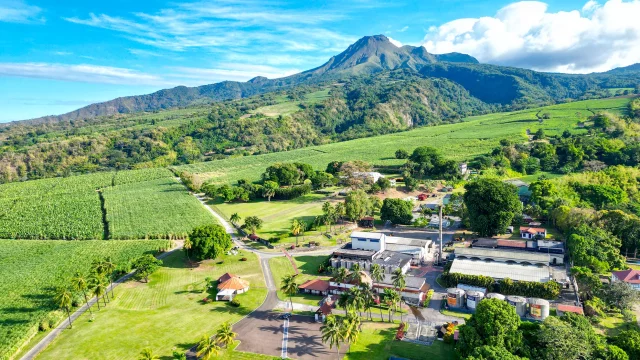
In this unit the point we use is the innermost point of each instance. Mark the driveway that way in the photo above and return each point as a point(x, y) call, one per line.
point(263, 332)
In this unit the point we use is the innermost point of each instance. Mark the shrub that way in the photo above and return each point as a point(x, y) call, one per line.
point(243, 259)
point(292, 192)
point(427, 299)
point(234, 303)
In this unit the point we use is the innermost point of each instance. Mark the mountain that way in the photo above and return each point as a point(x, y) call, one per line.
point(492, 84)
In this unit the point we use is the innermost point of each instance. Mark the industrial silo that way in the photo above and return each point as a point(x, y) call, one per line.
point(538, 308)
point(473, 298)
point(495, 296)
point(455, 298)
point(519, 303)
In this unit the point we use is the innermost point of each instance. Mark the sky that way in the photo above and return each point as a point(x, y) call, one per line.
point(57, 56)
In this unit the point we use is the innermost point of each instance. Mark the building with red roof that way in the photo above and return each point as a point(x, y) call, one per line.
point(527, 232)
point(630, 276)
point(315, 286)
point(230, 285)
point(564, 308)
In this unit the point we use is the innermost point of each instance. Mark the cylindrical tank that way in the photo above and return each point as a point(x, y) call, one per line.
point(538, 308)
point(519, 303)
point(455, 297)
point(473, 298)
point(495, 296)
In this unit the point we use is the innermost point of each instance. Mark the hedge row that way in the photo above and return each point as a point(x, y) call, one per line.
point(292, 192)
point(549, 290)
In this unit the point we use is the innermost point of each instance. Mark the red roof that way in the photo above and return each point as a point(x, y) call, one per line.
point(532, 230)
point(570, 308)
point(630, 276)
point(254, 237)
point(234, 283)
point(512, 243)
point(315, 284)
point(368, 218)
point(225, 277)
point(325, 309)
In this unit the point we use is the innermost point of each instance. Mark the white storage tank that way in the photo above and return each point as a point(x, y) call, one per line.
point(538, 308)
point(455, 297)
point(519, 303)
point(495, 296)
point(473, 298)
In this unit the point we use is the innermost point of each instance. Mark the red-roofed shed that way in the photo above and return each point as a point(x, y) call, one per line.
point(315, 286)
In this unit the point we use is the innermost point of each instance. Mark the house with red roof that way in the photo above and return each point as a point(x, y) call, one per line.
point(631, 277)
point(527, 232)
point(230, 285)
point(315, 286)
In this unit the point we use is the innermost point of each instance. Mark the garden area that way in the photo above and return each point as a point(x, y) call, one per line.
point(168, 313)
point(308, 268)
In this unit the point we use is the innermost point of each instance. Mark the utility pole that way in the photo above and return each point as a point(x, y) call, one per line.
point(440, 235)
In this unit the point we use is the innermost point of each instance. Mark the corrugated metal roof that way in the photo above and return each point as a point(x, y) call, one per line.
point(366, 235)
point(498, 270)
point(503, 255)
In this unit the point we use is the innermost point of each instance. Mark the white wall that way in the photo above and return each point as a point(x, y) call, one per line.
point(368, 244)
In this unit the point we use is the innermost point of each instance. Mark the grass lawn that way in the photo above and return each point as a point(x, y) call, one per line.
point(164, 314)
point(308, 267)
point(456, 314)
point(377, 342)
point(232, 354)
point(278, 215)
point(613, 324)
point(534, 177)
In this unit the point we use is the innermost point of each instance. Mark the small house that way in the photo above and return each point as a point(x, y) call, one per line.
point(367, 222)
point(527, 232)
point(315, 286)
point(630, 276)
point(230, 285)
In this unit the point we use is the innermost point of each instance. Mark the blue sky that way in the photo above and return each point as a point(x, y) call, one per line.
point(60, 55)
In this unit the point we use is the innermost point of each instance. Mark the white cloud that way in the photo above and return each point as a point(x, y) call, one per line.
point(404, 29)
point(526, 34)
point(395, 42)
point(80, 73)
point(17, 11)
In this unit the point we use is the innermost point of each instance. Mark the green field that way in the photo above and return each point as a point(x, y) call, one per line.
point(164, 314)
point(138, 204)
point(153, 209)
point(279, 215)
point(308, 268)
point(31, 269)
point(377, 342)
point(462, 141)
point(286, 107)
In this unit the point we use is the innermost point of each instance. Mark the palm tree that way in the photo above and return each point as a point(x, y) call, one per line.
point(109, 267)
point(377, 275)
point(355, 271)
point(64, 299)
point(98, 289)
point(224, 334)
point(235, 219)
point(399, 281)
point(147, 354)
point(79, 283)
point(389, 296)
point(340, 210)
point(367, 296)
point(395, 299)
point(207, 347)
point(332, 333)
point(328, 211)
point(187, 246)
point(340, 275)
point(296, 229)
point(357, 299)
point(289, 287)
point(351, 328)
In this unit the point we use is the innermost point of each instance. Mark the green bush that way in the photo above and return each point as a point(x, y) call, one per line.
point(234, 303)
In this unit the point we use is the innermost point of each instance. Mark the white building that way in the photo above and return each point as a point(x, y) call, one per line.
point(375, 176)
point(368, 241)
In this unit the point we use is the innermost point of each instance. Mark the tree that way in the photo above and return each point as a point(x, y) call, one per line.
point(269, 189)
point(321, 180)
point(329, 213)
point(355, 272)
point(109, 267)
point(397, 211)
point(99, 288)
point(146, 265)
point(357, 205)
point(187, 246)
point(399, 282)
point(384, 184)
point(289, 287)
point(351, 327)
point(610, 352)
point(177, 355)
point(495, 323)
point(207, 348)
point(340, 275)
point(487, 352)
point(235, 219)
point(621, 295)
point(389, 299)
point(296, 229)
point(492, 205)
point(402, 154)
point(332, 333)
point(79, 283)
point(64, 299)
point(225, 335)
point(366, 292)
point(210, 241)
point(147, 354)
point(377, 275)
point(568, 337)
point(629, 341)
point(253, 223)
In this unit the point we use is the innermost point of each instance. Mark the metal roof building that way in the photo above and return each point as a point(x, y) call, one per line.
point(499, 270)
point(499, 255)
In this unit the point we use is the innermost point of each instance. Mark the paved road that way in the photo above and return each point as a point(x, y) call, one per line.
point(65, 323)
